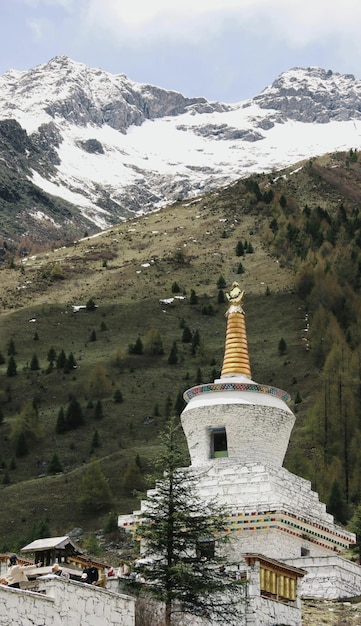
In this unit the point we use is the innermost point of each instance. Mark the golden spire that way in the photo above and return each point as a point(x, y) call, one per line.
point(236, 357)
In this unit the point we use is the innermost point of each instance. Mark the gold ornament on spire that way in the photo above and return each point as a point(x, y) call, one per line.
point(236, 357)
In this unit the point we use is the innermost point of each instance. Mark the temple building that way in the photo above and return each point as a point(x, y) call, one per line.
point(238, 433)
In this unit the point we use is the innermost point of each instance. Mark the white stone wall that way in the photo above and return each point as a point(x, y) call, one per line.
point(329, 577)
point(257, 489)
point(65, 604)
point(255, 433)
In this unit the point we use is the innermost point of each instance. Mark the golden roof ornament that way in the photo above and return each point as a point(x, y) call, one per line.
point(236, 357)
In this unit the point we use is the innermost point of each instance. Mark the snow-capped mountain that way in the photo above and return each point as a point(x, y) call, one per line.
point(111, 148)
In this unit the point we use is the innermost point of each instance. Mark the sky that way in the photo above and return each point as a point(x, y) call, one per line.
point(225, 50)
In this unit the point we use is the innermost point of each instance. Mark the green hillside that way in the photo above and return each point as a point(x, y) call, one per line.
point(290, 240)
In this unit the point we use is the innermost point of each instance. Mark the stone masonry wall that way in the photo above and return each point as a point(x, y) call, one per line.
point(329, 577)
point(255, 433)
point(65, 604)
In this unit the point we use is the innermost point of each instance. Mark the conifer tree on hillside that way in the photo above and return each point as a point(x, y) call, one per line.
point(173, 527)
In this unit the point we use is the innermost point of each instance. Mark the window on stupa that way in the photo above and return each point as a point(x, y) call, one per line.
point(205, 549)
point(218, 443)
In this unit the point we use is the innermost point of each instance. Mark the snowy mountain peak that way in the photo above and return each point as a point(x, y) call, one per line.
point(113, 148)
point(313, 95)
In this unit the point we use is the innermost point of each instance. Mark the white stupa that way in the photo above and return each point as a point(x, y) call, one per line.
point(237, 433)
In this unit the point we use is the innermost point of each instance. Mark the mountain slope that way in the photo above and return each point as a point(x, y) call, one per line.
point(113, 148)
point(140, 275)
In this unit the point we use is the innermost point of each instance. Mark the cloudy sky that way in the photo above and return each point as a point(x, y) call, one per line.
point(226, 50)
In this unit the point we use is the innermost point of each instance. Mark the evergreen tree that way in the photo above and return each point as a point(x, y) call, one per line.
point(95, 493)
point(179, 403)
point(187, 335)
point(21, 446)
point(172, 530)
point(61, 425)
point(136, 348)
point(111, 525)
point(193, 297)
point(336, 504)
point(175, 287)
point(221, 282)
point(168, 406)
point(95, 440)
point(12, 465)
point(54, 466)
point(12, 367)
point(34, 363)
point(51, 355)
point(2, 359)
point(71, 362)
point(118, 396)
point(199, 376)
point(90, 305)
point(6, 478)
point(221, 299)
point(93, 336)
point(173, 355)
point(282, 347)
point(240, 269)
point(74, 415)
point(11, 347)
point(355, 527)
point(239, 249)
point(61, 360)
point(196, 340)
point(98, 413)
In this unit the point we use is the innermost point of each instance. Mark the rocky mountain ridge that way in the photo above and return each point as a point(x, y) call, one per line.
point(82, 149)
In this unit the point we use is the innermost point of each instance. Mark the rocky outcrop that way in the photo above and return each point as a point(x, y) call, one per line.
point(313, 95)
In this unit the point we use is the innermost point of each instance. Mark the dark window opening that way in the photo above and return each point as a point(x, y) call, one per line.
point(219, 443)
point(205, 549)
point(304, 551)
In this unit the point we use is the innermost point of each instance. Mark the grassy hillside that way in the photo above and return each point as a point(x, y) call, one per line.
point(130, 272)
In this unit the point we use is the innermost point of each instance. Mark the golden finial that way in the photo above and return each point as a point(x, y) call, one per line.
point(236, 357)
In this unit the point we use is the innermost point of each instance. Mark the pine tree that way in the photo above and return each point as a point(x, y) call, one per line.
point(61, 360)
point(282, 347)
point(11, 347)
point(118, 396)
point(21, 446)
point(54, 466)
point(98, 413)
point(221, 299)
point(193, 297)
point(173, 355)
point(95, 440)
point(179, 403)
point(12, 367)
point(187, 335)
point(74, 415)
point(61, 425)
point(239, 249)
point(51, 355)
point(34, 363)
point(221, 282)
point(173, 527)
point(196, 340)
